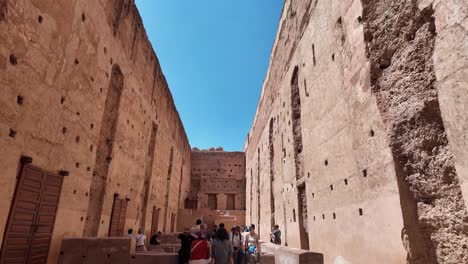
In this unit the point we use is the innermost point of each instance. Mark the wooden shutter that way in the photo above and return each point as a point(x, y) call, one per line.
point(32, 217)
point(119, 214)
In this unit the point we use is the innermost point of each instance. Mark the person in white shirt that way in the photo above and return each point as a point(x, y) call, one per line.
point(140, 240)
point(237, 241)
point(196, 228)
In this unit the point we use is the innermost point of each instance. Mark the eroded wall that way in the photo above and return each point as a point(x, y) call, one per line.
point(348, 147)
point(56, 66)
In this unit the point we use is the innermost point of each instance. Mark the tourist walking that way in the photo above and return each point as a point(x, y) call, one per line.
point(200, 252)
point(221, 250)
point(196, 228)
point(186, 239)
point(251, 245)
point(140, 240)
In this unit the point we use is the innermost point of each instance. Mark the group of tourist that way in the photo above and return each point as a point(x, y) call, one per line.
point(200, 246)
point(218, 246)
point(140, 239)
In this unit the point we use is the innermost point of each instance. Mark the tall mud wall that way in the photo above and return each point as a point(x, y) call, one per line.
point(56, 65)
point(381, 118)
point(220, 173)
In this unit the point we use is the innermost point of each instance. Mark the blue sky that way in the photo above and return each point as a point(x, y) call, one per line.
point(214, 54)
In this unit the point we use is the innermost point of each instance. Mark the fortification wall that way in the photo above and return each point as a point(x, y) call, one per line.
point(348, 147)
point(82, 91)
point(218, 173)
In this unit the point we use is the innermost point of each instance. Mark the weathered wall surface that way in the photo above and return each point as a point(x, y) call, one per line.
point(188, 217)
point(219, 173)
point(58, 63)
point(348, 147)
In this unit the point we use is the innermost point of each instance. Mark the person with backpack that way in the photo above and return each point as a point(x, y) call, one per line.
point(237, 241)
point(200, 251)
point(140, 240)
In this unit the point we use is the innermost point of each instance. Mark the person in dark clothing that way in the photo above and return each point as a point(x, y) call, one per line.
point(154, 240)
point(186, 239)
point(221, 251)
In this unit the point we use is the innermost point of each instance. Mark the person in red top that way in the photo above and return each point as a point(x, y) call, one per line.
point(200, 253)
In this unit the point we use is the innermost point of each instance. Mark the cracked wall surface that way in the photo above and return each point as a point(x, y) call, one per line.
point(56, 62)
point(382, 118)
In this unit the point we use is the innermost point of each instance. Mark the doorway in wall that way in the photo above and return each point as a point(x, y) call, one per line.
point(230, 202)
point(155, 221)
point(32, 217)
point(212, 201)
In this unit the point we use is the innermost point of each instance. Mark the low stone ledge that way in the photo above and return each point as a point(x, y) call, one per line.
point(95, 250)
point(149, 257)
point(168, 248)
point(287, 255)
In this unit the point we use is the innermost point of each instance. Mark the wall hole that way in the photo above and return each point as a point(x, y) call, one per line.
point(360, 211)
point(74, 191)
point(19, 100)
point(359, 19)
point(91, 148)
point(77, 113)
point(13, 59)
point(100, 90)
point(12, 133)
point(105, 50)
point(39, 19)
point(83, 17)
point(313, 54)
point(331, 187)
point(323, 216)
point(77, 139)
point(92, 79)
point(333, 57)
point(372, 133)
point(88, 168)
point(313, 195)
point(64, 130)
point(62, 100)
point(326, 162)
point(76, 61)
point(308, 175)
point(334, 216)
point(81, 219)
point(364, 172)
point(294, 215)
point(314, 217)
point(77, 164)
point(91, 126)
point(86, 194)
point(346, 181)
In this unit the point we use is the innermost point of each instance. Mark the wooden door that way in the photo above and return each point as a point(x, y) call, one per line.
point(32, 217)
point(155, 221)
point(119, 213)
point(230, 201)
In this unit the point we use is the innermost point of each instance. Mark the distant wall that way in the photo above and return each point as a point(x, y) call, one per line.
point(56, 70)
point(217, 173)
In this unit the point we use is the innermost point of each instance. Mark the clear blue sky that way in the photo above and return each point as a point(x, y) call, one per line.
point(214, 54)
